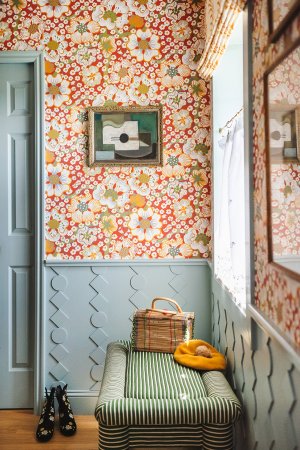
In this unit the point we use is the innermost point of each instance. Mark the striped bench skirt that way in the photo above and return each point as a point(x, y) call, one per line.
point(148, 400)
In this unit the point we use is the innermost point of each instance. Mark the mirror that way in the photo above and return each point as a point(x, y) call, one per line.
point(280, 12)
point(282, 90)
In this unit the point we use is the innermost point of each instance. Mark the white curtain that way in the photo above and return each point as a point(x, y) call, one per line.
point(230, 257)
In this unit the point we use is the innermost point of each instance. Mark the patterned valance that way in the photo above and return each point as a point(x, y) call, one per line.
point(220, 17)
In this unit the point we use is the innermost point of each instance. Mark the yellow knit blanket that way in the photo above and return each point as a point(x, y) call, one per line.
point(185, 355)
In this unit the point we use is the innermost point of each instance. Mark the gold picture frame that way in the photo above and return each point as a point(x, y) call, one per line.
point(125, 135)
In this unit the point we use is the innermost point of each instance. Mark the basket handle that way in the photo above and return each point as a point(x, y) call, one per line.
point(167, 299)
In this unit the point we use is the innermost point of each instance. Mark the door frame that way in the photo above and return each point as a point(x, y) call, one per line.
point(37, 58)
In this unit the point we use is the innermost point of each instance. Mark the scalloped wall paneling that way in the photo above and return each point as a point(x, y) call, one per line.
point(263, 377)
point(89, 306)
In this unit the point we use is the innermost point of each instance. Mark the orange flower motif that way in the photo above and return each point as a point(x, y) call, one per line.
point(200, 179)
point(137, 200)
point(49, 67)
point(49, 247)
point(136, 21)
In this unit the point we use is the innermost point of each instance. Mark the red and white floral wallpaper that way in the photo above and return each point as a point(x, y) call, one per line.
point(105, 52)
point(285, 182)
point(276, 295)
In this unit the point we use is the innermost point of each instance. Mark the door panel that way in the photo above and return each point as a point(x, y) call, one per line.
point(16, 235)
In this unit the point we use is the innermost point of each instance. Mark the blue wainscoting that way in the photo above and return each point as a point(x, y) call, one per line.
point(89, 305)
point(264, 375)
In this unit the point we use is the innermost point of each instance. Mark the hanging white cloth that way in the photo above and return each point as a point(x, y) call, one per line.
point(230, 247)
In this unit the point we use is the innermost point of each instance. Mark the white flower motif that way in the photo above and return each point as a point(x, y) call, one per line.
point(57, 180)
point(5, 32)
point(111, 14)
point(54, 8)
point(91, 76)
point(55, 225)
point(83, 208)
point(32, 28)
point(20, 45)
point(82, 29)
point(112, 193)
point(183, 210)
point(86, 56)
point(57, 90)
point(177, 99)
point(141, 8)
point(142, 90)
point(54, 45)
point(55, 134)
point(122, 72)
point(177, 189)
point(175, 10)
point(144, 45)
point(181, 30)
point(145, 224)
point(195, 148)
point(173, 73)
point(111, 94)
point(85, 235)
point(78, 119)
point(191, 57)
point(143, 181)
point(198, 237)
point(92, 252)
point(182, 119)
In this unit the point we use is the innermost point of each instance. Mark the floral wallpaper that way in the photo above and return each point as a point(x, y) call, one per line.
point(276, 295)
point(279, 9)
point(285, 182)
point(105, 52)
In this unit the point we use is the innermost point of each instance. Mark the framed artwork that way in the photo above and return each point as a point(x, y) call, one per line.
point(280, 13)
point(125, 136)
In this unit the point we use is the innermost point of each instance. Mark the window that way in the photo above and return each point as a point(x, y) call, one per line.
point(230, 214)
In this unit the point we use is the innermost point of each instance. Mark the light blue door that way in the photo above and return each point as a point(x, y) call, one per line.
point(17, 208)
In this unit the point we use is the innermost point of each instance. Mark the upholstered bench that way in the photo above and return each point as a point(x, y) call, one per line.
point(148, 400)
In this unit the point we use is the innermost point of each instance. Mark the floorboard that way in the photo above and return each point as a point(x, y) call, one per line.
point(17, 432)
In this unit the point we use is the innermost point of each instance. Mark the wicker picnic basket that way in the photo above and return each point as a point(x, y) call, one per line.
point(157, 330)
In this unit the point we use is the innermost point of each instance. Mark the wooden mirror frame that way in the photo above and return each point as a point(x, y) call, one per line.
point(275, 33)
point(271, 261)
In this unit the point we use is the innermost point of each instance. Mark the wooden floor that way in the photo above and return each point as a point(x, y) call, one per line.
point(17, 432)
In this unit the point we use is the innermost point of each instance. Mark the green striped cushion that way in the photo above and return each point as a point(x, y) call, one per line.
point(157, 375)
point(134, 403)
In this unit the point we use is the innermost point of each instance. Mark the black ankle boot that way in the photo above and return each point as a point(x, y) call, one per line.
point(45, 426)
point(67, 424)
